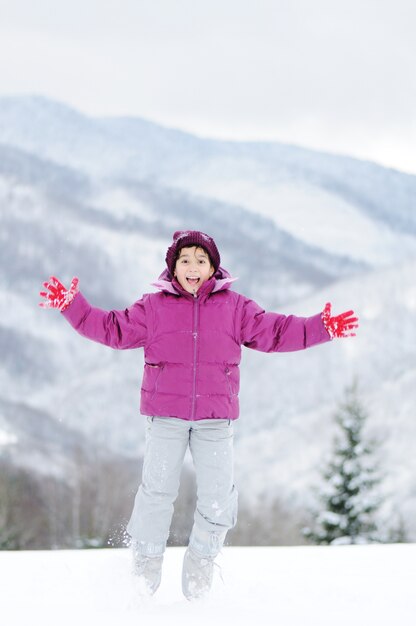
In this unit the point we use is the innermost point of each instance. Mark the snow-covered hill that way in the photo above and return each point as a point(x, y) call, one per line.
point(291, 586)
point(100, 198)
point(297, 425)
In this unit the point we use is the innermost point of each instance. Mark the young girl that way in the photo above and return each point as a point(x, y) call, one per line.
point(192, 331)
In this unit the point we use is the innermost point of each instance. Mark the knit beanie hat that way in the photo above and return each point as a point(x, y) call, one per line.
point(184, 238)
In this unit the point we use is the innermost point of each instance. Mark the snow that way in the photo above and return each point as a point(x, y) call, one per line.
point(121, 203)
point(291, 586)
point(6, 438)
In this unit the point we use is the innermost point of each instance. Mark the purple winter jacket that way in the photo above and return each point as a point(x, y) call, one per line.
point(192, 345)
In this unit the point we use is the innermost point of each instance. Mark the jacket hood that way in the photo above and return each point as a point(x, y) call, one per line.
point(222, 278)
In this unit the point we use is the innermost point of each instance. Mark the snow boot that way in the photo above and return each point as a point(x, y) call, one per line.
point(197, 574)
point(148, 569)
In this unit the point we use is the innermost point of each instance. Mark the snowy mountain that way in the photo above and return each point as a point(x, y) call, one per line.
point(293, 447)
point(100, 198)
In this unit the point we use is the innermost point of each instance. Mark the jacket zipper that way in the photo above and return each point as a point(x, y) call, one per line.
point(195, 336)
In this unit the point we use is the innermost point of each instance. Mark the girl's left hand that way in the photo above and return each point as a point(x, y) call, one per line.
point(340, 325)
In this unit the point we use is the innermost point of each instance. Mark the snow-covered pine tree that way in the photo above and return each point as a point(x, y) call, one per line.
point(348, 496)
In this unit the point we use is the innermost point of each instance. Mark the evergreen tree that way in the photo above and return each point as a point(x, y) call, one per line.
point(348, 498)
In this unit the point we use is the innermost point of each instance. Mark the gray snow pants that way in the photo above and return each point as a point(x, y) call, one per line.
point(211, 445)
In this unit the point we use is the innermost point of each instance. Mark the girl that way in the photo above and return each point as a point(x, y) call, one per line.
point(192, 331)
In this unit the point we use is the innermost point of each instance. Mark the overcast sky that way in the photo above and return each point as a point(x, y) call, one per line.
point(327, 74)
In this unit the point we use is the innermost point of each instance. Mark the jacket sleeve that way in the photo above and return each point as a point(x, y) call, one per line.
point(117, 329)
point(273, 332)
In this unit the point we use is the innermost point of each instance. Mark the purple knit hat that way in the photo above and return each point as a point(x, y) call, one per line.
point(184, 238)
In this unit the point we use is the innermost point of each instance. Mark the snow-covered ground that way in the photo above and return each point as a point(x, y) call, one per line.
point(370, 585)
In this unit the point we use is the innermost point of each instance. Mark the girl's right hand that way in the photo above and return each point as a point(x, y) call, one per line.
point(58, 297)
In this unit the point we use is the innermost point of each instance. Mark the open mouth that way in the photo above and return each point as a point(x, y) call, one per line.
point(193, 281)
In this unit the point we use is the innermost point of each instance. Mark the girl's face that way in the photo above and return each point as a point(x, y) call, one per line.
point(193, 267)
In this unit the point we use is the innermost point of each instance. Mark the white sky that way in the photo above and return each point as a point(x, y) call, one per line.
point(338, 75)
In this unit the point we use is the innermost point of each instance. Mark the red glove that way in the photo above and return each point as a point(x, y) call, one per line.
point(58, 297)
point(340, 325)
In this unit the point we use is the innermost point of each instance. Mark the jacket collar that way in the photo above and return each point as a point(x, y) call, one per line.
point(220, 281)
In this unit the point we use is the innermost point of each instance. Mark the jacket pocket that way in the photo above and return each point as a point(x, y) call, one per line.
point(151, 377)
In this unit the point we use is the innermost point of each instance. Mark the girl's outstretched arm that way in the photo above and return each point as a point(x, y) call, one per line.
point(273, 332)
point(118, 329)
